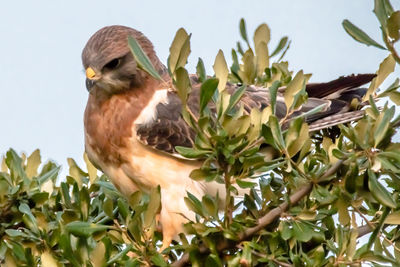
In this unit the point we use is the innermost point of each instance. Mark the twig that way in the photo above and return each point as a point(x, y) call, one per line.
point(283, 264)
point(266, 219)
point(391, 48)
point(228, 202)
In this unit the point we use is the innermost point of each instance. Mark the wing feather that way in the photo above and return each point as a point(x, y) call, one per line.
point(168, 129)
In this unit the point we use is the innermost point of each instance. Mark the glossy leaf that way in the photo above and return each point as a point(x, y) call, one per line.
point(385, 68)
point(85, 229)
point(182, 84)
point(243, 31)
point(207, 91)
point(153, 207)
point(190, 152)
point(393, 25)
point(282, 43)
point(359, 35)
point(33, 163)
point(379, 192)
point(201, 71)
point(179, 50)
point(293, 88)
point(141, 58)
point(221, 70)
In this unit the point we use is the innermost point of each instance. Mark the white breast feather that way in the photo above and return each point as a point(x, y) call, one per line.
point(149, 113)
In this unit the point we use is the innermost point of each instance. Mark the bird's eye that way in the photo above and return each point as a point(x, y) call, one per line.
point(113, 63)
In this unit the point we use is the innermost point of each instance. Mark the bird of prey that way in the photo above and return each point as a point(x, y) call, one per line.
point(133, 122)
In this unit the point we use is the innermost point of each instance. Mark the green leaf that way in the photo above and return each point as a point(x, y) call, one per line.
point(221, 70)
point(294, 87)
point(395, 97)
point(243, 31)
point(194, 204)
point(202, 174)
point(14, 164)
point(158, 260)
point(359, 35)
point(135, 198)
point(75, 172)
point(245, 184)
point(286, 231)
point(262, 34)
point(119, 255)
point(50, 175)
point(382, 124)
point(379, 192)
point(302, 232)
point(236, 96)
point(92, 171)
point(276, 131)
point(374, 236)
point(188, 152)
point(385, 68)
point(382, 10)
point(239, 48)
point(108, 207)
point(213, 261)
point(24, 208)
point(342, 206)
point(247, 70)
point(179, 50)
point(393, 218)
point(142, 59)
point(201, 71)
point(273, 91)
point(207, 91)
point(182, 84)
point(282, 43)
point(210, 205)
point(262, 57)
point(296, 137)
point(16, 233)
point(32, 164)
point(393, 25)
point(85, 229)
point(261, 40)
point(153, 207)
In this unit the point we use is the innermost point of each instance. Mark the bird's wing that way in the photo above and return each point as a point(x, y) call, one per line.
point(167, 129)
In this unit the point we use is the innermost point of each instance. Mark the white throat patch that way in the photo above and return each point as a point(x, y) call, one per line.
point(149, 113)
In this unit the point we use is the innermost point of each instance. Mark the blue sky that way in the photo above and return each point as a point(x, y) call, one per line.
point(42, 90)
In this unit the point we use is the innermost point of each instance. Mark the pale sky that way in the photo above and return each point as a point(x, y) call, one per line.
point(42, 83)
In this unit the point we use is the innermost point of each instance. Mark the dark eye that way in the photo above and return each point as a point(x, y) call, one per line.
point(113, 63)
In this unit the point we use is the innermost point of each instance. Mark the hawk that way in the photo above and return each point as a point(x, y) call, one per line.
point(133, 122)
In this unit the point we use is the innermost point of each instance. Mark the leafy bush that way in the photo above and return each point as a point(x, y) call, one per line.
point(312, 195)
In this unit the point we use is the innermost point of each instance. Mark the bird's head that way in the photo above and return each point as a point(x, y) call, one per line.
point(108, 62)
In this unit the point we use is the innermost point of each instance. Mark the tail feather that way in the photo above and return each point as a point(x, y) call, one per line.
point(345, 83)
point(336, 119)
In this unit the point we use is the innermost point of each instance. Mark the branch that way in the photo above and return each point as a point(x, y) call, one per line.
point(276, 212)
point(266, 219)
point(364, 230)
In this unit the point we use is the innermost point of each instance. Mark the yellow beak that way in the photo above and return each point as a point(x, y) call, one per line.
point(90, 73)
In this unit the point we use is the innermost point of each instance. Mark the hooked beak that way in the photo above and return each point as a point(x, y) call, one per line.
point(89, 84)
point(90, 78)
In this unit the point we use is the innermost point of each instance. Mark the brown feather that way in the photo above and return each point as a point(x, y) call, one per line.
point(108, 120)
